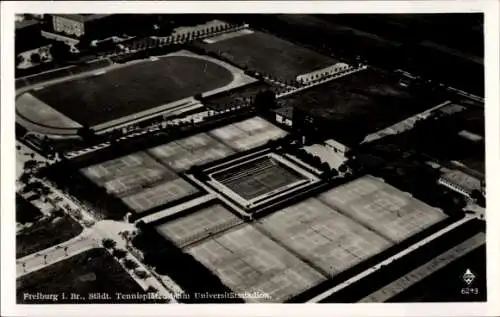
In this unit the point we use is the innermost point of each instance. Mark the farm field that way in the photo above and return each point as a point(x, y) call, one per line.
point(329, 240)
point(359, 104)
point(247, 134)
point(248, 261)
point(134, 88)
point(198, 225)
point(382, 208)
point(93, 271)
point(268, 54)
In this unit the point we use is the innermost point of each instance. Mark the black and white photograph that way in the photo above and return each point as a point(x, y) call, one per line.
point(248, 157)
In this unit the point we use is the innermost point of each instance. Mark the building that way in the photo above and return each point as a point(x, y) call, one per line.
point(461, 182)
point(284, 116)
point(337, 147)
point(321, 73)
point(29, 43)
point(75, 28)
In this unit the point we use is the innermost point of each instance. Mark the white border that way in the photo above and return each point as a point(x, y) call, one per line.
point(489, 7)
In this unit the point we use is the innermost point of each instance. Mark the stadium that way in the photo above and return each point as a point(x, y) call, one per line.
point(125, 93)
point(258, 180)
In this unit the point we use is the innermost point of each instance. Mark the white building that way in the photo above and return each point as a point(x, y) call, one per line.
point(284, 115)
point(337, 147)
point(460, 182)
point(321, 73)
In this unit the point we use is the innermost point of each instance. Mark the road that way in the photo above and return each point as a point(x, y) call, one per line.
point(95, 231)
point(375, 268)
point(54, 254)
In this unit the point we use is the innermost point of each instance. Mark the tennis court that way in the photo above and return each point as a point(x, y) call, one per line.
point(386, 210)
point(257, 177)
point(128, 173)
point(198, 225)
point(248, 261)
point(323, 236)
point(247, 134)
point(158, 195)
point(180, 155)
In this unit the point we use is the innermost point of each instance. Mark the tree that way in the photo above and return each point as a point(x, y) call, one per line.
point(478, 198)
point(151, 289)
point(141, 274)
point(108, 243)
point(265, 100)
point(130, 264)
point(343, 168)
point(19, 59)
point(119, 253)
point(35, 58)
point(60, 51)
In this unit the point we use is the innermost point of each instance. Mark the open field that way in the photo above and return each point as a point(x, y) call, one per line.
point(257, 177)
point(45, 233)
point(247, 134)
point(137, 87)
point(180, 155)
point(331, 241)
point(354, 106)
point(198, 225)
point(382, 208)
point(248, 261)
point(93, 271)
point(268, 54)
point(139, 180)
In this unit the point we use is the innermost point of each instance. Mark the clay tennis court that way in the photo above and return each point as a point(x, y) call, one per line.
point(329, 240)
point(198, 225)
point(386, 210)
point(257, 177)
point(140, 181)
point(247, 134)
point(248, 261)
point(180, 155)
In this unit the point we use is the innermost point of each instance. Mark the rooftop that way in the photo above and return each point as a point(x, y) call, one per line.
point(286, 112)
point(83, 17)
point(462, 179)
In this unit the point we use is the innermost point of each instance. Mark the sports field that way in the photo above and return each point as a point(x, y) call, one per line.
point(326, 238)
point(139, 180)
point(382, 208)
point(248, 261)
point(140, 86)
point(247, 134)
point(180, 155)
point(268, 54)
point(198, 225)
point(354, 106)
point(257, 177)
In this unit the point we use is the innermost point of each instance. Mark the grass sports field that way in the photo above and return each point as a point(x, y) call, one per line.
point(247, 134)
point(93, 271)
point(137, 87)
point(257, 177)
point(384, 209)
point(329, 240)
point(248, 261)
point(198, 225)
point(140, 181)
point(268, 54)
point(361, 103)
